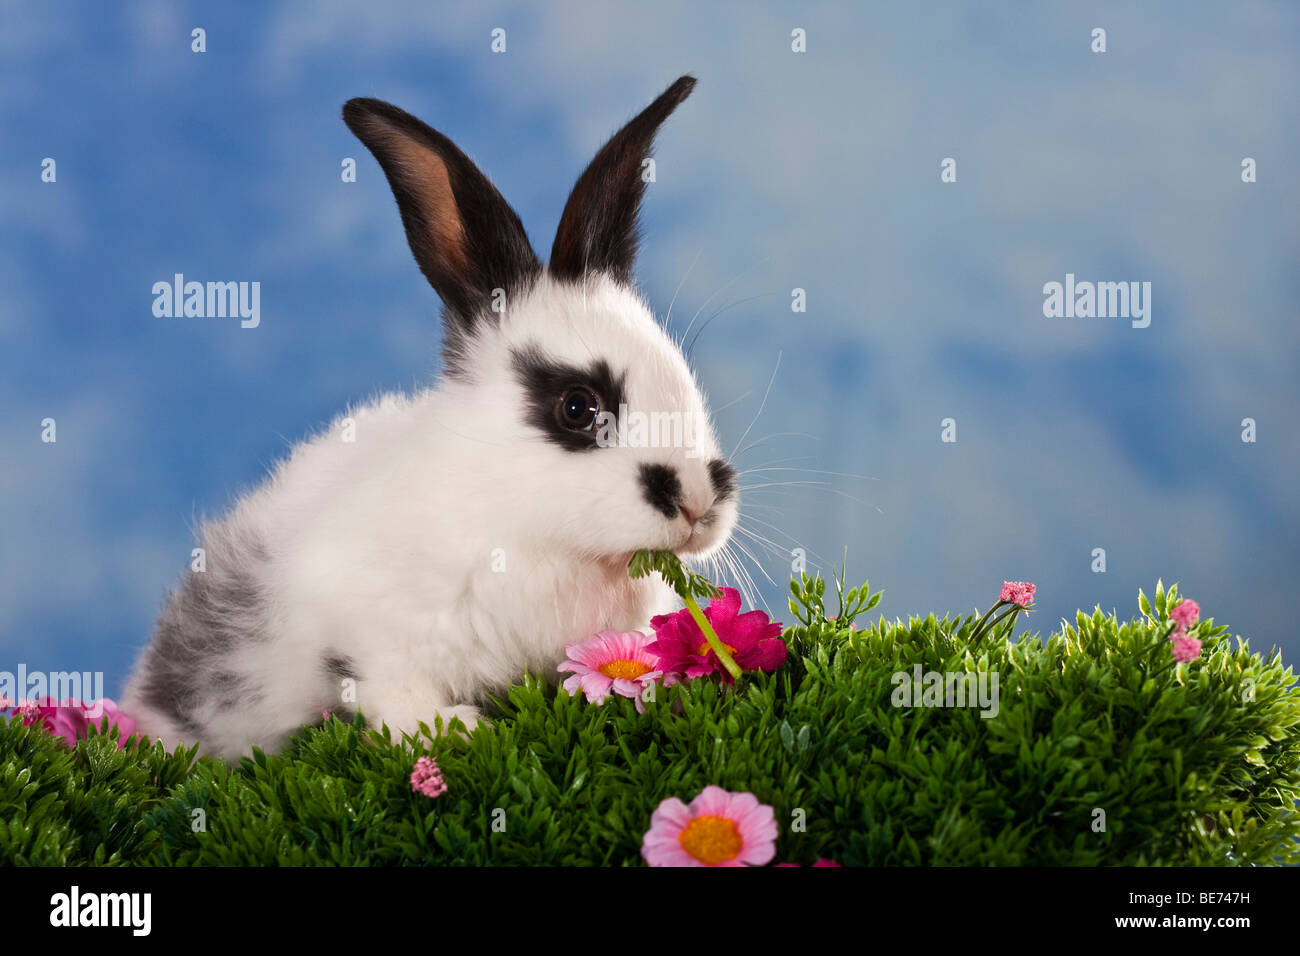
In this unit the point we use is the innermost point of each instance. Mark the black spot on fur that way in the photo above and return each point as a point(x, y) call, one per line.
point(598, 230)
point(545, 381)
point(662, 489)
point(339, 666)
point(723, 477)
point(468, 243)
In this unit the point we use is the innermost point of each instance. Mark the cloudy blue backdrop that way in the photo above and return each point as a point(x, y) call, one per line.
point(817, 170)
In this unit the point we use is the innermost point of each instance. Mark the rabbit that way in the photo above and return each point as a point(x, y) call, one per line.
point(425, 551)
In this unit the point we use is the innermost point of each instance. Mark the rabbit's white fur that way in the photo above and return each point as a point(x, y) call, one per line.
point(442, 553)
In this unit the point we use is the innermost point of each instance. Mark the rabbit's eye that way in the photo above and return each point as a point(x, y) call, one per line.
point(578, 409)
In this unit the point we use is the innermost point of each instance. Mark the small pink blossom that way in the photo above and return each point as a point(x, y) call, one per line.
point(717, 829)
point(1185, 614)
point(1018, 592)
point(611, 661)
point(426, 778)
point(1186, 648)
point(5, 702)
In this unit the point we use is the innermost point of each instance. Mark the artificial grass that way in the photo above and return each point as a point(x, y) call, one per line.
point(1197, 764)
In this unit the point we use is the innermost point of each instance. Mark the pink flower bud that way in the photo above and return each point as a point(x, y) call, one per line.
point(1018, 592)
point(1185, 614)
point(1186, 649)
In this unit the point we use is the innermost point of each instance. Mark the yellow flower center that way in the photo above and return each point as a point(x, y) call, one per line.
point(712, 840)
point(704, 649)
point(627, 670)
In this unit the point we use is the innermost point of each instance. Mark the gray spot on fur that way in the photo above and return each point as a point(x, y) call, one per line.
point(232, 687)
point(187, 666)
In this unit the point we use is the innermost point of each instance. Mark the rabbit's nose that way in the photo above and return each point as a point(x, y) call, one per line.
point(695, 511)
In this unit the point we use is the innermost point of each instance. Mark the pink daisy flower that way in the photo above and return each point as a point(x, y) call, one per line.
point(1018, 592)
point(1185, 614)
point(753, 639)
point(1186, 648)
point(426, 778)
point(611, 661)
point(717, 829)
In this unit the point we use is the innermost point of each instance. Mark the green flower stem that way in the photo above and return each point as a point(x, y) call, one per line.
point(980, 629)
point(687, 584)
point(1013, 613)
point(711, 636)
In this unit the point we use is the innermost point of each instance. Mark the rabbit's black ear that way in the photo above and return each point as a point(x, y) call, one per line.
point(466, 238)
point(598, 230)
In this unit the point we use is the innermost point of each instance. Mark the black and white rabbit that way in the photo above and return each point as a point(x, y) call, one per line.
point(426, 550)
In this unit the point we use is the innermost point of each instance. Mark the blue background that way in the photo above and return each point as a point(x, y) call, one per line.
point(817, 170)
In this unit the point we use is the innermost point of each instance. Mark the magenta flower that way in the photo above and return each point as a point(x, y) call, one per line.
point(1185, 614)
point(718, 829)
point(426, 778)
point(752, 638)
point(67, 721)
point(1018, 592)
point(1186, 648)
point(72, 719)
point(611, 661)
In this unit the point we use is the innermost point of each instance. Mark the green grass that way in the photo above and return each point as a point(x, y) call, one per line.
point(1195, 764)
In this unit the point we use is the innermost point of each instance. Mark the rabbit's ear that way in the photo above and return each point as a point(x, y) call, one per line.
point(466, 238)
point(598, 230)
